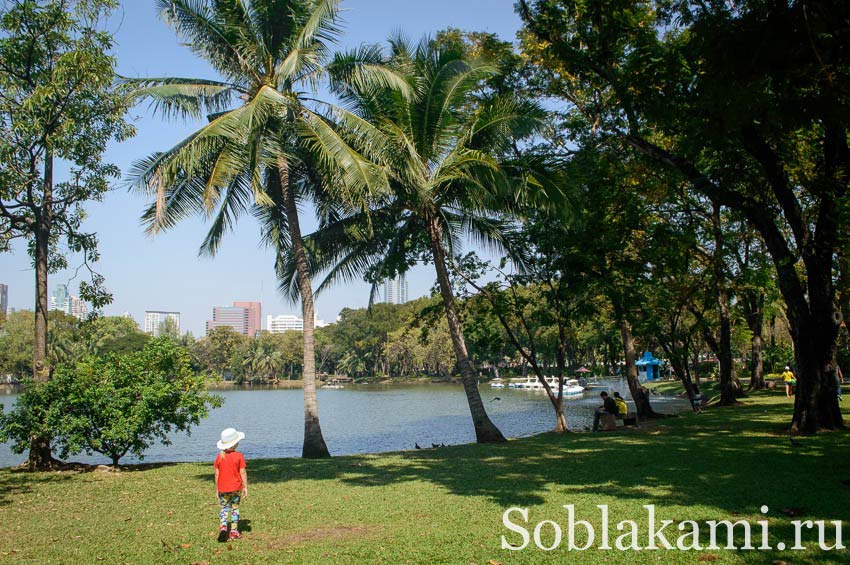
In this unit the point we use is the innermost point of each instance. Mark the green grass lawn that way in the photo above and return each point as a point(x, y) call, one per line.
point(446, 504)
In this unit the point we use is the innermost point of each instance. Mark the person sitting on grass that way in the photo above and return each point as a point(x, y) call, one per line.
point(608, 407)
point(231, 482)
point(790, 381)
point(622, 407)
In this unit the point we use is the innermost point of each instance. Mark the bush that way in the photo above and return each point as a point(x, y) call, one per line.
point(113, 405)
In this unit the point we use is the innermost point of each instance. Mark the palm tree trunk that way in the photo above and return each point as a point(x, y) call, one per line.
point(485, 430)
point(314, 443)
point(40, 457)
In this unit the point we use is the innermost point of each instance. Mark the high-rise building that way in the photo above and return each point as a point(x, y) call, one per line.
point(290, 322)
point(395, 290)
point(233, 317)
point(4, 299)
point(60, 299)
point(79, 309)
point(284, 323)
point(155, 321)
point(63, 301)
point(255, 316)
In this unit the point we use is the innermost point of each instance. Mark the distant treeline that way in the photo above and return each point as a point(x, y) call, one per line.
point(384, 341)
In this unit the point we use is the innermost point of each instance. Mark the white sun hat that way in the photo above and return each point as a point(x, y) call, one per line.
point(229, 438)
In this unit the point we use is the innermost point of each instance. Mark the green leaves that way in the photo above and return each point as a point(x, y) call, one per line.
point(443, 151)
point(176, 97)
point(265, 49)
point(59, 102)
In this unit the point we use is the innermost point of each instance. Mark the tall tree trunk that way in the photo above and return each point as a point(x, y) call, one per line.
point(314, 443)
point(40, 369)
point(485, 430)
point(755, 321)
point(560, 417)
point(640, 394)
point(679, 363)
point(753, 302)
point(728, 389)
point(729, 385)
point(816, 399)
point(39, 455)
point(756, 364)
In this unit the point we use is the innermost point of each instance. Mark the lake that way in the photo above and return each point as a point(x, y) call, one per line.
point(363, 419)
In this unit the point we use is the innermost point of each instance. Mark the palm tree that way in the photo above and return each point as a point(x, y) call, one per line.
point(268, 145)
point(442, 154)
point(262, 359)
point(351, 365)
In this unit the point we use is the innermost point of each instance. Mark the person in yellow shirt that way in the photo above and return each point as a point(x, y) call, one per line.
point(622, 407)
point(790, 381)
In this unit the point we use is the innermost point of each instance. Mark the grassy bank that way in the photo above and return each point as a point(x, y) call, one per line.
point(710, 388)
point(446, 504)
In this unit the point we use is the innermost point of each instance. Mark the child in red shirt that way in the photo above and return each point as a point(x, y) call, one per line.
point(231, 482)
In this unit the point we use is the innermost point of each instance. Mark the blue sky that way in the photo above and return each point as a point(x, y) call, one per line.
point(165, 273)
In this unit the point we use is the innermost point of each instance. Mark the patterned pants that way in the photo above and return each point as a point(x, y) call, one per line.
point(229, 502)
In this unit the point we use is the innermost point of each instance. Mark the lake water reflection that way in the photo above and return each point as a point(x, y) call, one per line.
point(363, 419)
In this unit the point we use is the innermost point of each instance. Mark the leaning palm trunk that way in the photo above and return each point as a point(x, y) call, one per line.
point(314, 443)
point(485, 430)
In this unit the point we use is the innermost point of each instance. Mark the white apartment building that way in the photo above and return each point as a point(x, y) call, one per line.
point(79, 309)
point(155, 319)
point(395, 290)
point(289, 322)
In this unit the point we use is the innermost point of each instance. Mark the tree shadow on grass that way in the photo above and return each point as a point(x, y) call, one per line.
point(735, 459)
point(15, 483)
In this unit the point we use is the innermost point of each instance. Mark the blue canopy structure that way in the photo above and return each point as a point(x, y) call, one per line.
point(649, 368)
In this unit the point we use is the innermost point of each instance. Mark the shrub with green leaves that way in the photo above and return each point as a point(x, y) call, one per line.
point(113, 405)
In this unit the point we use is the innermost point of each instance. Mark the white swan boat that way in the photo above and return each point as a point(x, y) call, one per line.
point(571, 386)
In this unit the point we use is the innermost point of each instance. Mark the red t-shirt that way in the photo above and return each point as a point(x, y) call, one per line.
point(229, 479)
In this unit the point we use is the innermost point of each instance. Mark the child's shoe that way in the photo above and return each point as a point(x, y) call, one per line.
point(222, 534)
point(234, 534)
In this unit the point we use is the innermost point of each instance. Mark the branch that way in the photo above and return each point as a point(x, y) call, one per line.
point(778, 180)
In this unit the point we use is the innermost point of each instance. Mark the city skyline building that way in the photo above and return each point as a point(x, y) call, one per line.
point(290, 322)
point(4, 299)
point(255, 316)
point(60, 299)
point(78, 308)
point(395, 290)
point(233, 317)
point(64, 301)
point(155, 320)
point(284, 323)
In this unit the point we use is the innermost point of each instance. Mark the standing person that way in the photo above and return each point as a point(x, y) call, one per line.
point(231, 482)
point(696, 401)
point(839, 379)
point(790, 381)
point(608, 407)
